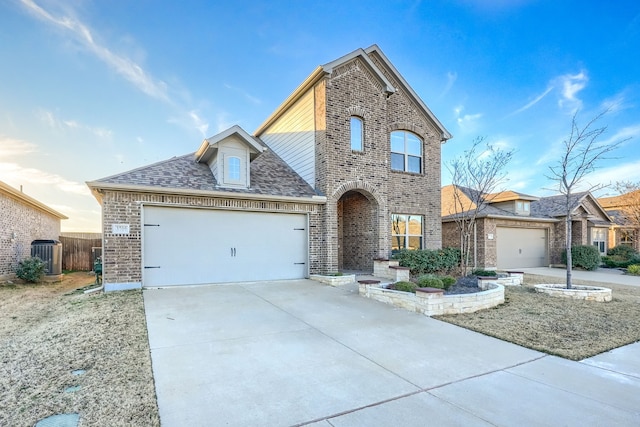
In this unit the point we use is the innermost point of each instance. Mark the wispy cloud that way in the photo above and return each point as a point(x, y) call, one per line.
point(610, 175)
point(14, 173)
point(628, 132)
point(451, 79)
point(570, 85)
point(616, 103)
point(245, 94)
point(466, 121)
point(533, 102)
point(10, 147)
point(123, 65)
point(190, 120)
point(50, 119)
point(567, 86)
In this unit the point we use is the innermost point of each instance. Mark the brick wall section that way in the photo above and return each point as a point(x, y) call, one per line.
point(352, 90)
point(487, 254)
point(122, 254)
point(28, 224)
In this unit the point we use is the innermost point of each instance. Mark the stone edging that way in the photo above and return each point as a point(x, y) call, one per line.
point(334, 280)
point(433, 302)
point(586, 293)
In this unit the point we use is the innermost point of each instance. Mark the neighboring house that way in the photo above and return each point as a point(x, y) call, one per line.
point(347, 168)
point(516, 230)
point(23, 219)
point(624, 210)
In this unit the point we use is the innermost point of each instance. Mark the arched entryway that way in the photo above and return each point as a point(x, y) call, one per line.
point(357, 230)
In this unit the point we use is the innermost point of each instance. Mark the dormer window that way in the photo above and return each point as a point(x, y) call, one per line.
point(233, 168)
point(229, 155)
point(523, 207)
point(357, 133)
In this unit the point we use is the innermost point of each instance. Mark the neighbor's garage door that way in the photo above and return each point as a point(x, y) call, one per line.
point(183, 246)
point(521, 247)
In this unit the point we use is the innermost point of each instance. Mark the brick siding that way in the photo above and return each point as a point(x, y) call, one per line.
point(356, 233)
point(122, 254)
point(28, 224)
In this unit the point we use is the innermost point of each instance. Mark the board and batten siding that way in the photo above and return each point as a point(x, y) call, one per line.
point(292, 137)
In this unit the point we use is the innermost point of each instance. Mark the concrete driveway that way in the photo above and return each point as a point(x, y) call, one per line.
point(302, 353)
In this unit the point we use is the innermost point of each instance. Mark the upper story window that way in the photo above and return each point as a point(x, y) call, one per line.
point(357, 132)
point(406, 152)
point(523, 206)
point(233, 168)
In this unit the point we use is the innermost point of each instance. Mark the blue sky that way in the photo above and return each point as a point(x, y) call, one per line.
point(94, 88)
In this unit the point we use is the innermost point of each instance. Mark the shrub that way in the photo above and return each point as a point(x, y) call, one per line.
point(430, 281)
point(583, 256)
point(486, 273)
point(426, 261)
point(31, 269)
point(621, 256)
point(634, 269)
point(405, 286)
point(624, 251)
point(448, 281)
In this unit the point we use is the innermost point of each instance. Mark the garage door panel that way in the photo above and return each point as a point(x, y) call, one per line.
point(195, 246)
point(521, 247)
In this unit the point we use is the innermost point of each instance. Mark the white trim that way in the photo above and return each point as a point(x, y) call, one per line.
point(127, 286)
point(97, 186)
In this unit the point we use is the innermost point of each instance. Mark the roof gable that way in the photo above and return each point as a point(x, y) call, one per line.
point(23, 198)
point(365, 55)
point(209, 146)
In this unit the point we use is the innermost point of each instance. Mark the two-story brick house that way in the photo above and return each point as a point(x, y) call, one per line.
point(344, 171)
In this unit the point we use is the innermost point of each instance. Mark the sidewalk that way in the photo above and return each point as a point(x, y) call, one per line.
point(601, 275)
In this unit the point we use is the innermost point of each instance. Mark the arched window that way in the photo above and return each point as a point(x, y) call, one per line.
point(357, 133)
point(406, 152)
point(233, 168)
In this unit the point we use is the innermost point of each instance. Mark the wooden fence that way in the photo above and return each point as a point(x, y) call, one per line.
point(79, 250)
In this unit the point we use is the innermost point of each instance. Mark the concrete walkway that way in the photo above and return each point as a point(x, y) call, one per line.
point(302, 353)
point(601, 275)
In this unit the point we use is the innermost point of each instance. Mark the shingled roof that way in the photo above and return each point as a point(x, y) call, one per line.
point(270, 175)
point(555, 206)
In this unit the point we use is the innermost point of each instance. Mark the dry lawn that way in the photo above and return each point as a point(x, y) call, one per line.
point(566, 328)
point(49, 330)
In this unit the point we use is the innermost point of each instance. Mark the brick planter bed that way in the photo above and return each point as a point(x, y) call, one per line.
point(586, 293)
point(433, 302)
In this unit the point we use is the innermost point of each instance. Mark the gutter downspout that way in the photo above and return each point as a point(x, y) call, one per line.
point(92, 290)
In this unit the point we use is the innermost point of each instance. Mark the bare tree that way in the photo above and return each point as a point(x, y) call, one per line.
point(475, 176)
point(581, 153)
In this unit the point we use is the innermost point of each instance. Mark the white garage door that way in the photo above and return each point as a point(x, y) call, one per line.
point(521, 247)
point(183, 246)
